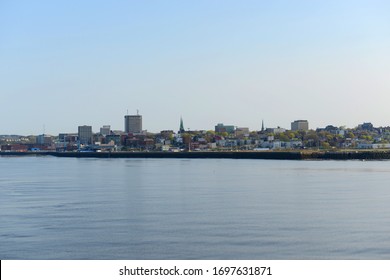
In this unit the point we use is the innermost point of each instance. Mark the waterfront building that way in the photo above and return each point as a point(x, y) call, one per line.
point(365, 145)
point(85, 134)
point(300, 125)
point(133, 123)
point(44, 139)
point(113, 138)
point(68, 137)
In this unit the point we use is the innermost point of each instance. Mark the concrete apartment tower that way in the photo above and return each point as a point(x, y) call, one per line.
point(300, 125)
point(133, 123)
point(105, 130)
point(85, 134)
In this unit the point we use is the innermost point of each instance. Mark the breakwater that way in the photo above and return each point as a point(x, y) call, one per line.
point(275, 155)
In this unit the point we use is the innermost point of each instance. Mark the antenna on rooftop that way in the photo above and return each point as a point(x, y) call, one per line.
point(127, 111)
point(137, 112)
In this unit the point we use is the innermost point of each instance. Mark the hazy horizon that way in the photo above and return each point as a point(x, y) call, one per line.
point(70, 63)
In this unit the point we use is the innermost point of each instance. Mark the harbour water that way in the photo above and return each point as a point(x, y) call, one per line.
point(70, 208)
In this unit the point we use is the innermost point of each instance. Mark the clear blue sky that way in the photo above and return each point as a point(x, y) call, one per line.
point(69, 63)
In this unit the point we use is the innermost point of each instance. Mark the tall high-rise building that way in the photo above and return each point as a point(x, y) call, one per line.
point(105, 130)
point(85, 134)
point(133, 123)
point(300, 125)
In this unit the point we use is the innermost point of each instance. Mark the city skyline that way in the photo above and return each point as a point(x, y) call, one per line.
point(73, 63)
point(128, 127)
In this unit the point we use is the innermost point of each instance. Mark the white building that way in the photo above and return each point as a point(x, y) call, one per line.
point(373, 146)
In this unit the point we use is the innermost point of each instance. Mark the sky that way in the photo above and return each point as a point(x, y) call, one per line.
point(68, 63)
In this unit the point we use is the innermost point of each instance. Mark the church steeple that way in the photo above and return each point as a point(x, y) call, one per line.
point(262, 125)
point(181, 130)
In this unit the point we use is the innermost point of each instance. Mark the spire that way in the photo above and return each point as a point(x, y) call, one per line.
point(262, 125)
point(181, 130)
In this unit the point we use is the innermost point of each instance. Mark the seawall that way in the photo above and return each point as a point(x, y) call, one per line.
point(275, 155)
point(227, 155)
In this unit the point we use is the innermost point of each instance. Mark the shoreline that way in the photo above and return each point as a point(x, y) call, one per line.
point(273, 155)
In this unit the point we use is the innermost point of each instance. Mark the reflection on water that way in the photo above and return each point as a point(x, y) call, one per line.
point(54, 208)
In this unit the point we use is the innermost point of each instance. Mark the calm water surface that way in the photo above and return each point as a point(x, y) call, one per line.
point(69, 208)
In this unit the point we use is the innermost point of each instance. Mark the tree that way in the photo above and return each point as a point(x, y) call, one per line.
point(282, 137)
point(224, 134)
point(291, 135)
point(350, 135)
point(311, 139)
point(325, 145)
